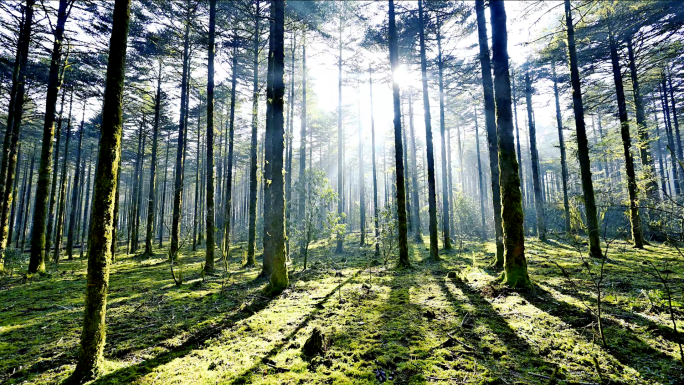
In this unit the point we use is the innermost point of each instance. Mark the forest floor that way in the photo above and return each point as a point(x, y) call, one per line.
point(438, 322)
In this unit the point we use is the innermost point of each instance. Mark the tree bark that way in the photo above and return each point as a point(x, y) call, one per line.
point(515, 266)
point(71, 234)
point(229, 171)
point(635, 219)
point(9, 159)
point(432, 188)
point(38, 252)
point(90, 359)
point(375, 176)
point(561, 143)
point(446, 231)
point(149, 234)
point(537, 183)
point(180, 152)
point(59, 220)
point(414, 178)
point(399, 162)
point(582, 142)
point(479, 174)
point(276, 215)
point(340, 145)
point(490, 125)
point(251, 242)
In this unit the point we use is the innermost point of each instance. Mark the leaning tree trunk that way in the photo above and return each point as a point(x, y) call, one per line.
point(276, 215)
point(515, 266)
point(635, 220)
point(561, 141)
point(399, 162)
point(582, 142)
point(149, 233)
point(74, 196)
point(38, 252)
point(432, 193)
point(251, 241)
point(90, 358)
point(180, 152)
point(9, 159)
point(490, 124)
point(642, 129)
point(538, 199)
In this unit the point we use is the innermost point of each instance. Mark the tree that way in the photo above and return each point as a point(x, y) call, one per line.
point(37, 258)
point(582, 142)
point(10, 145)
point(490, 125)
point(538, 200)
point(515, 264)
point(398, 155)
point(635, 220)
point(276, 215)
point(209, 254)
point(90, 358)
point(251, 242)
point(149, 234)
point(445, 186)
point(561, 144)
point(432, 194)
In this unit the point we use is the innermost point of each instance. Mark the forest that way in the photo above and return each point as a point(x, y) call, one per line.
point(341, 192)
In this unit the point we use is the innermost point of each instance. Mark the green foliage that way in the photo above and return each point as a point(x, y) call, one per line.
point(389, 233)
point(319, 222)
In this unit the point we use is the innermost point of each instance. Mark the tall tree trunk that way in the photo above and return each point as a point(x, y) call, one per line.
point(414, 178)
point(432, 188)
point(446, 231)
point(680, 155)
point(22, 202)
point(149, 233)
point(71, 233)
point(517, 135)
point(375, 176)
point(515, 266)
point(340, 144)
point(635, 220)
point(561, 143)
point(490, 124)
point(28, 202)
point(9, 159)
point(198, 171)
point(137, 188)
point(676, 173)
point(14, 199)
point(399, 162)
point(180, 152)
point(229, 170)
point(90, 359)
point(163, 194)
point(38, 252)
point(537, 183)
point(642, 129)
point(582, 142)
point(276, 214)
point(268, 152)
point(86, 209)
point(302, 146)
point(59, 220)
point(288, 150)
point(362, 191)
point(251, 242)
point(663, 180)
point(479, 174)
point(209, 255)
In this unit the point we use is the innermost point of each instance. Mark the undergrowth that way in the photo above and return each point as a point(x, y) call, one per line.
point(438, 322)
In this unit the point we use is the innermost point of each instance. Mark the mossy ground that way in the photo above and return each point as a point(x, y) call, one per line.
point(417, 325)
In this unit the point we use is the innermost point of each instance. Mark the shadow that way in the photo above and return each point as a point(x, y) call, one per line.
point(244, 377)
point(624, 346)
point(515, 348)
point(131, 373)
point(660, 330)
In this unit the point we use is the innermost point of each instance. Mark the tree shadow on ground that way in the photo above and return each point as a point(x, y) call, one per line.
point(502, 354)
point(624, 346)
point(245, 376)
